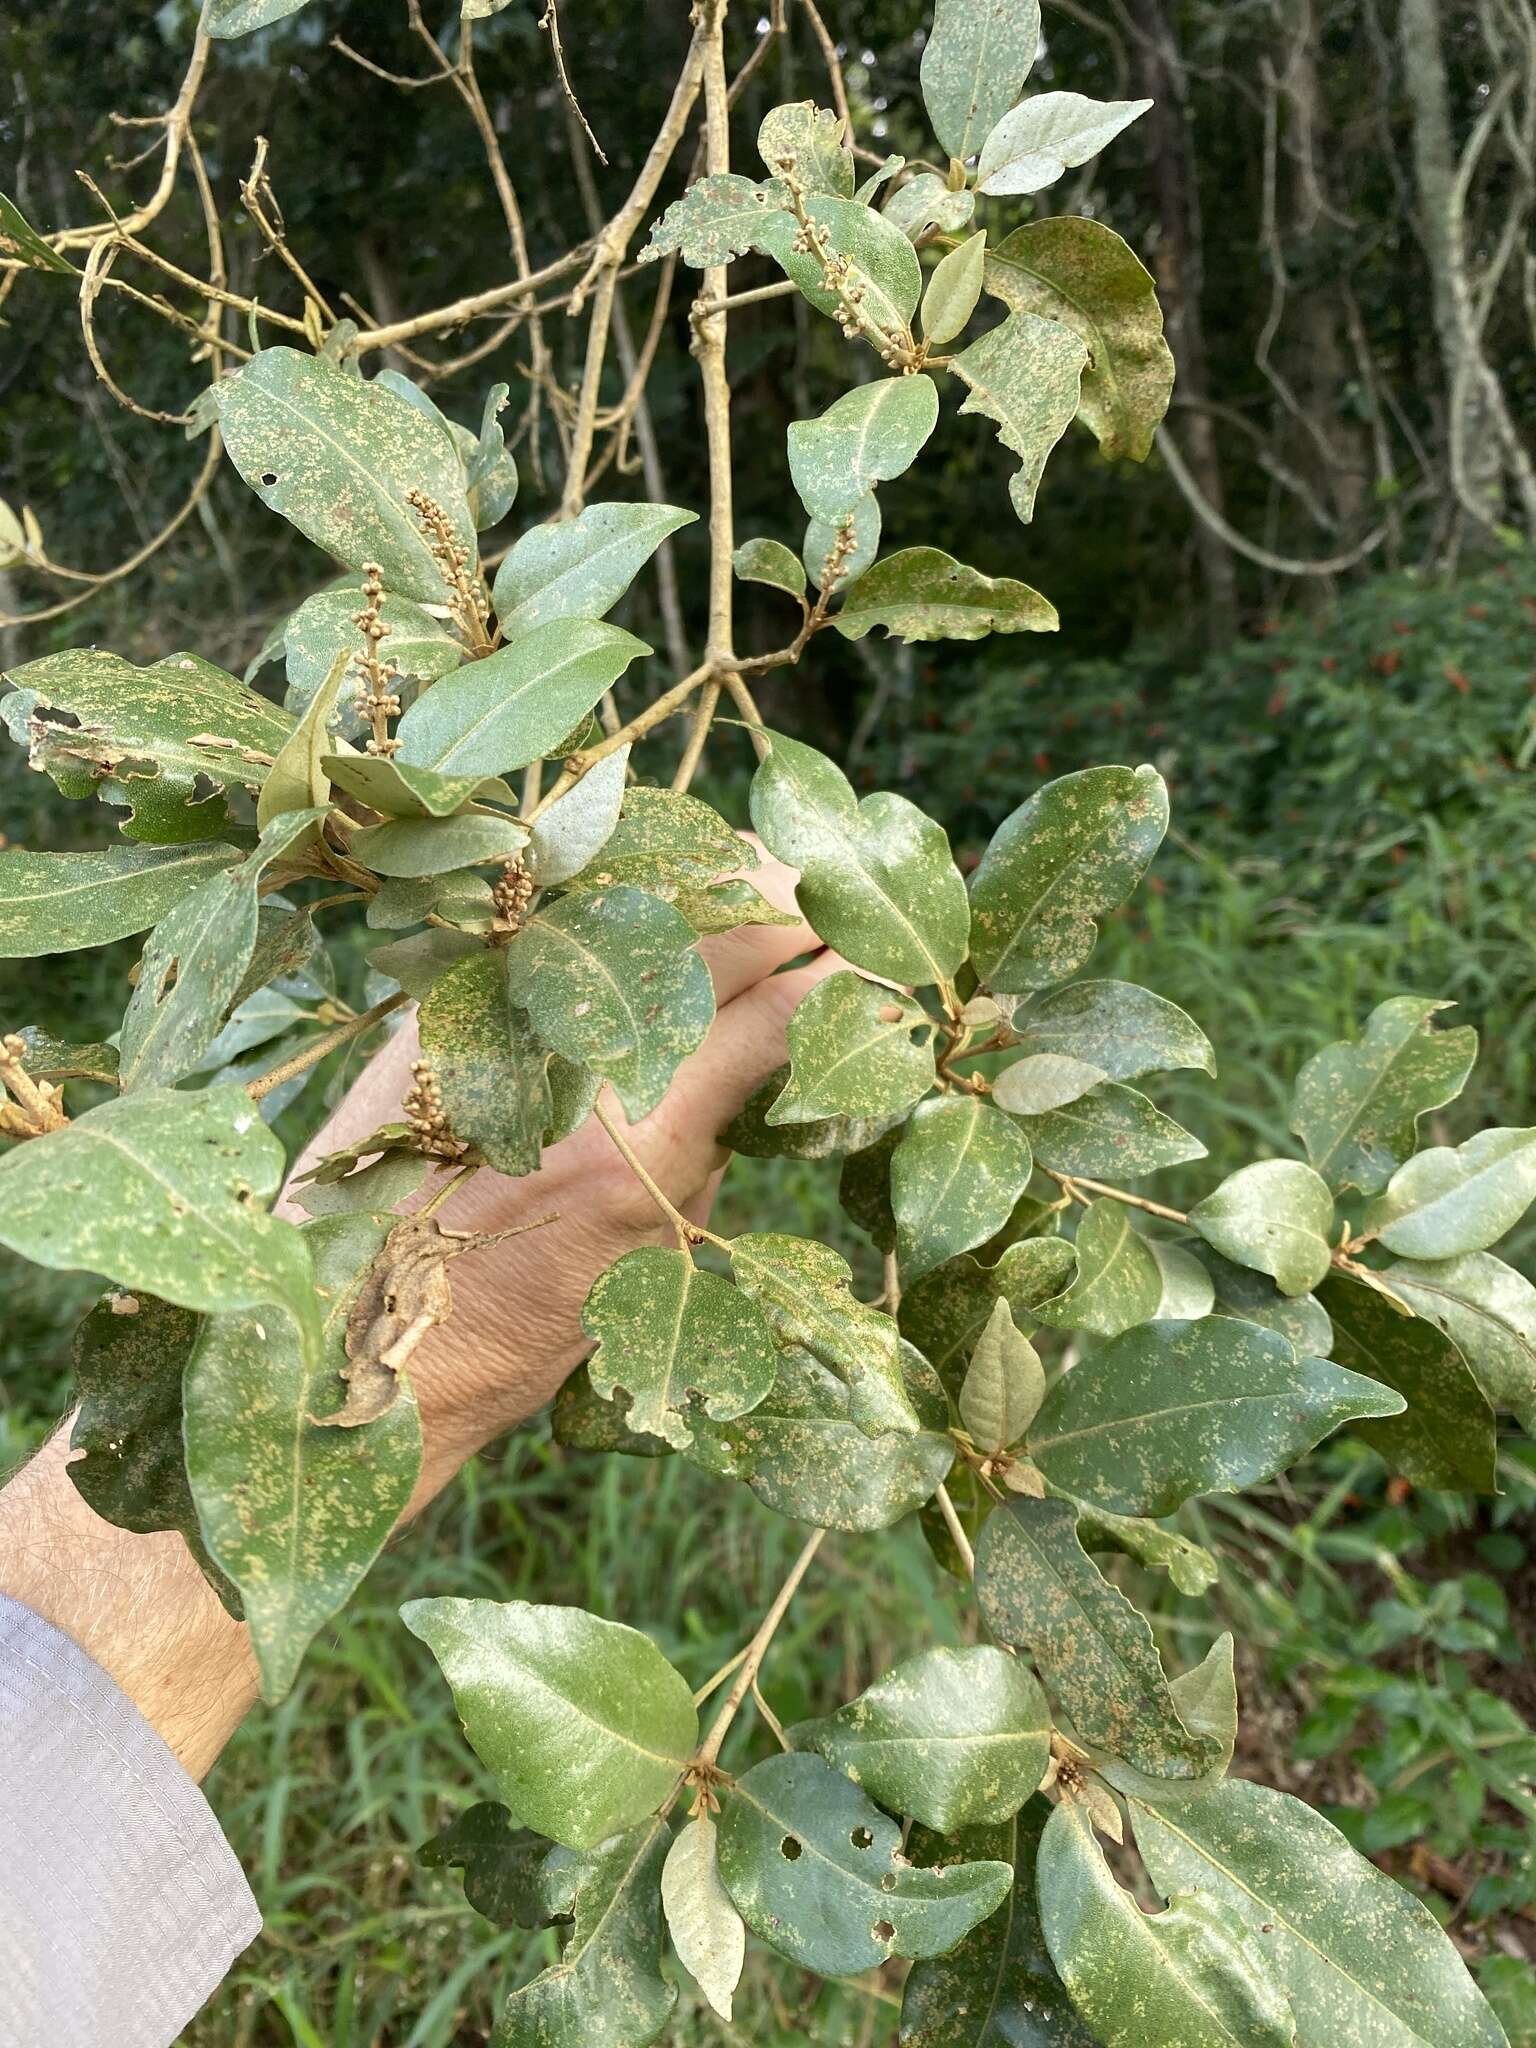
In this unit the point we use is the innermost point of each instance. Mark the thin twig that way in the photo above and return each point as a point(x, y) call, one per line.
point(756, 1650)
point(688, 1234)
point(958, 1537)
point(318, 1048)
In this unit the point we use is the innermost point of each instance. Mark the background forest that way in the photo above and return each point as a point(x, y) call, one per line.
point(1314, 609)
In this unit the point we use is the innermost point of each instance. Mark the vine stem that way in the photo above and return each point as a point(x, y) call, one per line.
point(757, 1649)
point(1074, 1186)
point(316, 1050)
point(1071, 1181)
point(688, 1234)
point(956, 1529)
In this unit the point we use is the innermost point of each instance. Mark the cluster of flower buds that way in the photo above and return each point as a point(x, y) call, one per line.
point(376, 696)
point(455, 561)
point(511, 894)
point(430, 1131)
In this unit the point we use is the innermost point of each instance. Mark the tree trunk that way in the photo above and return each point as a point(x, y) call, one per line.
point(1178, 265)
point(1334, 449)
point(1472, 449)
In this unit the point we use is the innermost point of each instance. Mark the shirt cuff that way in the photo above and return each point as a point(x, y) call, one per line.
point(122, 1906)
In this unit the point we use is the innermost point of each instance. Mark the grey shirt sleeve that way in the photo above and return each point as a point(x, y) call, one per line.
point(121, 1904)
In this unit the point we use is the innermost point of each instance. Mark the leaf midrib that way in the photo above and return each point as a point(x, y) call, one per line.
point(1271, 1911)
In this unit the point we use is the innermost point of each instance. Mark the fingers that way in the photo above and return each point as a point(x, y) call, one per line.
point(679, 1140)
point(739, 958)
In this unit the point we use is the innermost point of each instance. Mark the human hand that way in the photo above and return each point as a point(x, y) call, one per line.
point(515, 1334)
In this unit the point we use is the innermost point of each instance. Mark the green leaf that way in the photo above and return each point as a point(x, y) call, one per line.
point(871, 434)
point(856, 1049)
point(1118, 1282)
point(955, 1177)
point(1192, 1976)
point(1178, 1408)
point(1070, 853)
point(812, 142)
point(297, 779)
point(1276, 1217)
point(607, 1990)
point(377, 1187)
point(1357, 1104)
point(414, 847)
point(1080, 274)
point(1254, 1298)
point(1111, 1131)
point(722, 216)
point(1443, 1436)
point(847, 545)
point(945, 1312)
point(880, 266)
point(1004, 1386)
point(998, 1988)
point(1047, 134)
point(577, 826)
point(130, 1354)
point(418, 962)
point(1043, 1081)
point(49, 1059)
point(1038, 1590)
point(726, 906)
point(707, 1931)
point(177, 1184)
point(507, 710)
point(610, 981)
point(750, 1133)
point(582, 1722)
point(487, 1063)
point(673, 1340)
point(924, 594)
point(19, 239)
point(1488, 1310)
point(1188, 1290)
point(1191, 1567)
point(806, 1291)
point(1445, 1202)
point(770, 562)
point(1360, 1959)
point(665, 838)
point(954, 1738)
point(815, 1870)
point(864, 1191)
point(295, 1510)
point(803, 1455)
point(398, 790)
point(461, 897)
point(502, 1863)
point(489, 469)
point(239, 17)
point(165, 741)
point(954, 289)
point(877, 880)
point(1125, 1030)
point(342, 455)
point(974, 66)
point(926, 202)
point(195, 962)
point(325, 625)
point(579, 568)
point(1027, 377)
point(63, 902)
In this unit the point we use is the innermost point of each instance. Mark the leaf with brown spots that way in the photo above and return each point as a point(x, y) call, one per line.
point(1038, 1590)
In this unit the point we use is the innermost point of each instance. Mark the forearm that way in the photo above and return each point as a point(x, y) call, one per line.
point(138, 1605)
